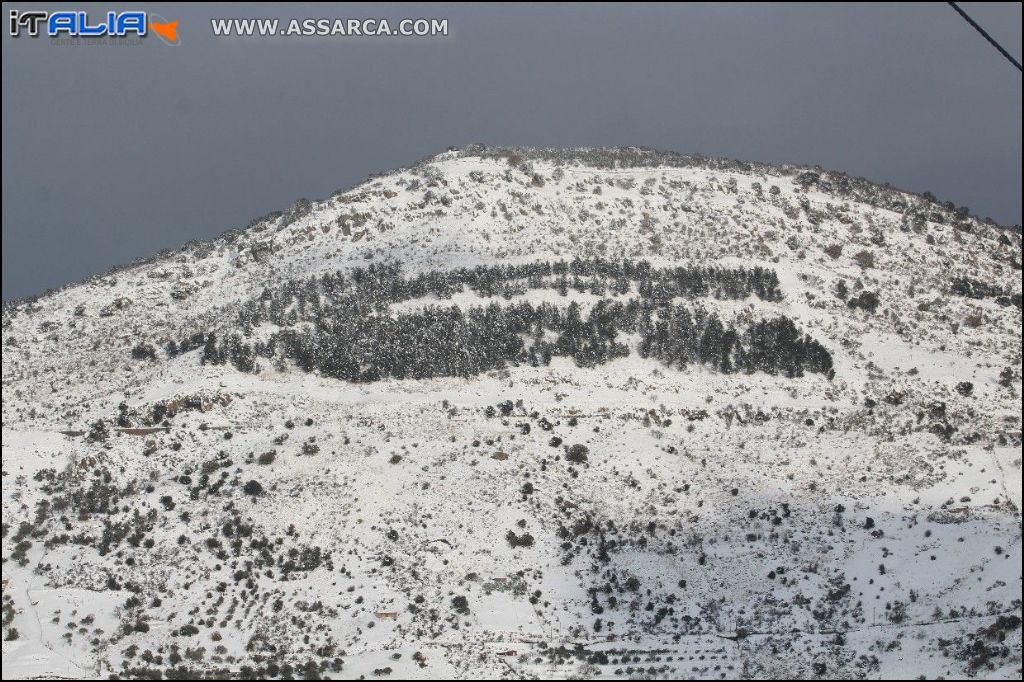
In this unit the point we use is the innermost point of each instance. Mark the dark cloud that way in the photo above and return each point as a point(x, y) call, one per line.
point(112, 153)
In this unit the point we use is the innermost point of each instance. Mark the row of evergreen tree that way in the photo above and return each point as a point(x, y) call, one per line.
point(379, 285)
point(976, 289)
point(340, 325)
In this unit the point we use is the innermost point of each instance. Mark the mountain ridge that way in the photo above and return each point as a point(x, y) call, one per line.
point(572, 154)
point(506, 416)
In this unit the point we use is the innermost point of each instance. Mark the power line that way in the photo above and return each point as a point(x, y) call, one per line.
point(985, 34)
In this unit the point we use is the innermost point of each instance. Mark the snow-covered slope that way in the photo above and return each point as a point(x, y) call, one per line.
point(166, 513)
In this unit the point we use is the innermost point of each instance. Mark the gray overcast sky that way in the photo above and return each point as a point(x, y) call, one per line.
point(110, 153)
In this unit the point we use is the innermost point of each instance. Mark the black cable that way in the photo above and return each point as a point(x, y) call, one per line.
point(984, 34)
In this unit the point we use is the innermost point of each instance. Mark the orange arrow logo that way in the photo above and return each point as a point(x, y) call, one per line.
point(168, 30)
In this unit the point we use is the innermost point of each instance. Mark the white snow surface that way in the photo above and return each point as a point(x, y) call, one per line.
point(766, 526)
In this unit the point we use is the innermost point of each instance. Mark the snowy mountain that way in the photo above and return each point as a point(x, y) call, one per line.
point(529, 413)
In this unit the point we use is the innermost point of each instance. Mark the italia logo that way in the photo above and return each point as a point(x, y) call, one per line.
point(78, 24)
